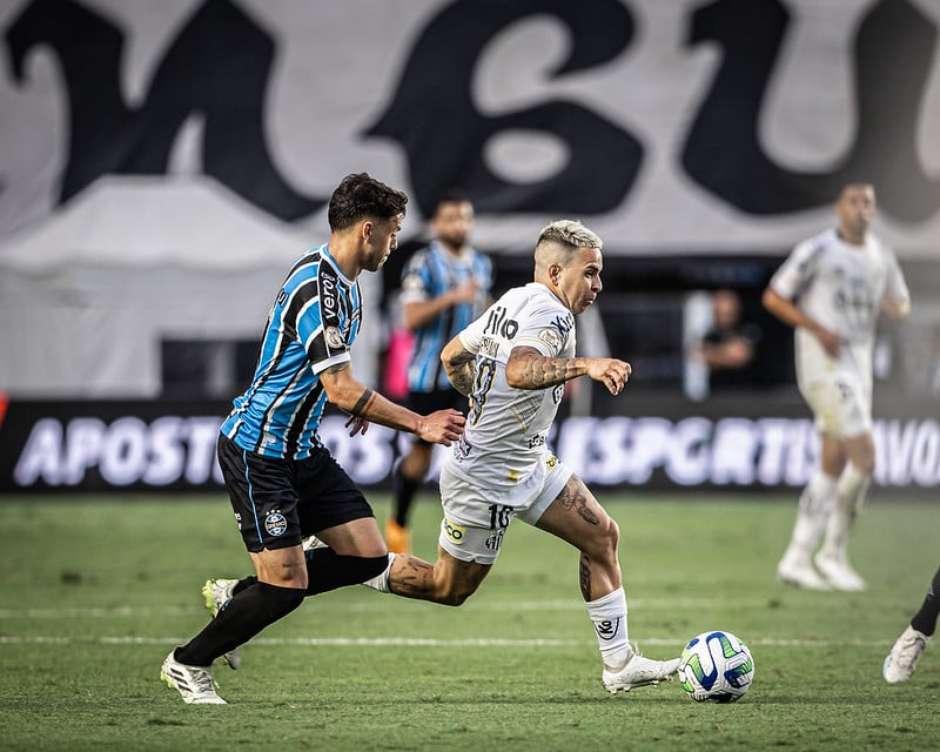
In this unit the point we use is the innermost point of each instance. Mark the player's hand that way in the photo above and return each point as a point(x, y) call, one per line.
point(830, 341)
point(611, 372)
point(359, 425)
point(441, 427)
point(465, 293)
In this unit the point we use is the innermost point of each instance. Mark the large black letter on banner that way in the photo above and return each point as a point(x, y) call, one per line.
point(218, 66)
point(893, 54)
point(433, 116)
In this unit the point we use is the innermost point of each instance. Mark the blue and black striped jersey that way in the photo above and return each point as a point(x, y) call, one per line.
point(312, 324)
point(429, 274)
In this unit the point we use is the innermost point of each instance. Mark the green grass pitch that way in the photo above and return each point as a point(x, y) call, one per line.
point(93, 594)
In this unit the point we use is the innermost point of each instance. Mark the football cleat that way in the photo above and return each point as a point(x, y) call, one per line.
point(799, 572)
point(638, 672)
point(397, 538)
point(194, 683)
point(902, 660)
point(839, 573)
point(217, 592)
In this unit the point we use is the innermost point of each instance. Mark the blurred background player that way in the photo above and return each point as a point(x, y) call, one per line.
point(902, 660)
point(727, 348)
point(444, 288)
point(831, 290)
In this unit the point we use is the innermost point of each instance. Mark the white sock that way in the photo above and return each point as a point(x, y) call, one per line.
point(816, 503)
point(380, 581)
point(609, 615)
point(850, 496)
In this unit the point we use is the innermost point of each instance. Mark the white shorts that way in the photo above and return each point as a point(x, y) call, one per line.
point(841, 405)
point(476, 518)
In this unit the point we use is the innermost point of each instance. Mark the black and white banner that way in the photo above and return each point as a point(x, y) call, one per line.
point(171, 446)
point(211, 132)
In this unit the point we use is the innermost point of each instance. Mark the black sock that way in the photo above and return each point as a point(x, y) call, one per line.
point(327, 570)
point(242, 584)
point(405, 489)
point(254, 608)
point(925, 620)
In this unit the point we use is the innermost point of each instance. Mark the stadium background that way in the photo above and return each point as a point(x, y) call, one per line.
point(163, 164)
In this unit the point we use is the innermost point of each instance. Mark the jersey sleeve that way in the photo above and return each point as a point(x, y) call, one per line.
point(547, 330)
point(795, 274)
point(416, 282)
point(318, 328)
point(472, 337)
point(895, 286)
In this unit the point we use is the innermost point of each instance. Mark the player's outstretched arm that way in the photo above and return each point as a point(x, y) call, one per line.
point(789, 313)
point(458, 363)
point(527, 368)
point(344, 391)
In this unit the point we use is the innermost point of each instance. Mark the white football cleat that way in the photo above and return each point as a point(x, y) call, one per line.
point(217, 592)
point(194, 683)
point(839, 573)
point(800, 573)
point(638, 672)
point(902, 660)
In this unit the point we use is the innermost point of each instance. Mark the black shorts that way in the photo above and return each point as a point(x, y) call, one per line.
point(424, 403)
point(278, 502)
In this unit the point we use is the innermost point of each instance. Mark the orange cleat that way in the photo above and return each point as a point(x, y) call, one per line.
point(397, 538)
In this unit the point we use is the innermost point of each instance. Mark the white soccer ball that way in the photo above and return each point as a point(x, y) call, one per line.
point(716, 667)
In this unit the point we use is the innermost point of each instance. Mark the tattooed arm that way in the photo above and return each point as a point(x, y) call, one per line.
point(344, 391)
point(529, 369)
point(458, 362)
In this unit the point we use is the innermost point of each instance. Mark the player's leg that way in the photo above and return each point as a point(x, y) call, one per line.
point(449, 581)
point(575, 516)
point(902, 660)
point(265, 504)
point(815, 506)
point(851, 489)
point(407, 480)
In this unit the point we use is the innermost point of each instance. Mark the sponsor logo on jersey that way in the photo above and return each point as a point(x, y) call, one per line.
point(536, 441)
point(455, 533)
point(607, 629)
point(275, 523)
point(493, 542)
point(334, 338)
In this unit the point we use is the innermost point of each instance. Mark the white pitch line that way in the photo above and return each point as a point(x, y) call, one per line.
point(382, 604)
point(421, 642)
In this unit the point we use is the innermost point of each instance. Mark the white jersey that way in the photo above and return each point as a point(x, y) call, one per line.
point(842, 287)
point(504, 438)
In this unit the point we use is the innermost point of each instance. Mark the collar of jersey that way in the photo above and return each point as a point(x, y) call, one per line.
point(325, 253)
point(465, 258)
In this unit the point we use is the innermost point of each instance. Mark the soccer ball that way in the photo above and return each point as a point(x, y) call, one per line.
point(716, 667)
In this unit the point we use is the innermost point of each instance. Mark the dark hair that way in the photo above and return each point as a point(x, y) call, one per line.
point(361, 196)
point(451, 196)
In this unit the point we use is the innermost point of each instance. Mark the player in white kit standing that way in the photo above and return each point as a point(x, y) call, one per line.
point(513, 362)
point(831, 290)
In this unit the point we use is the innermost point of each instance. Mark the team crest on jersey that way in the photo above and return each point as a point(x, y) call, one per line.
point(334, 338)
point(552, 338)
point(275, 523)
point(551, 461)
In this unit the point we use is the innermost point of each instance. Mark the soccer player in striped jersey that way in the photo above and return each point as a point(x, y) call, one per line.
point(282, 481)
point(444, 288)
point(831, 290)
